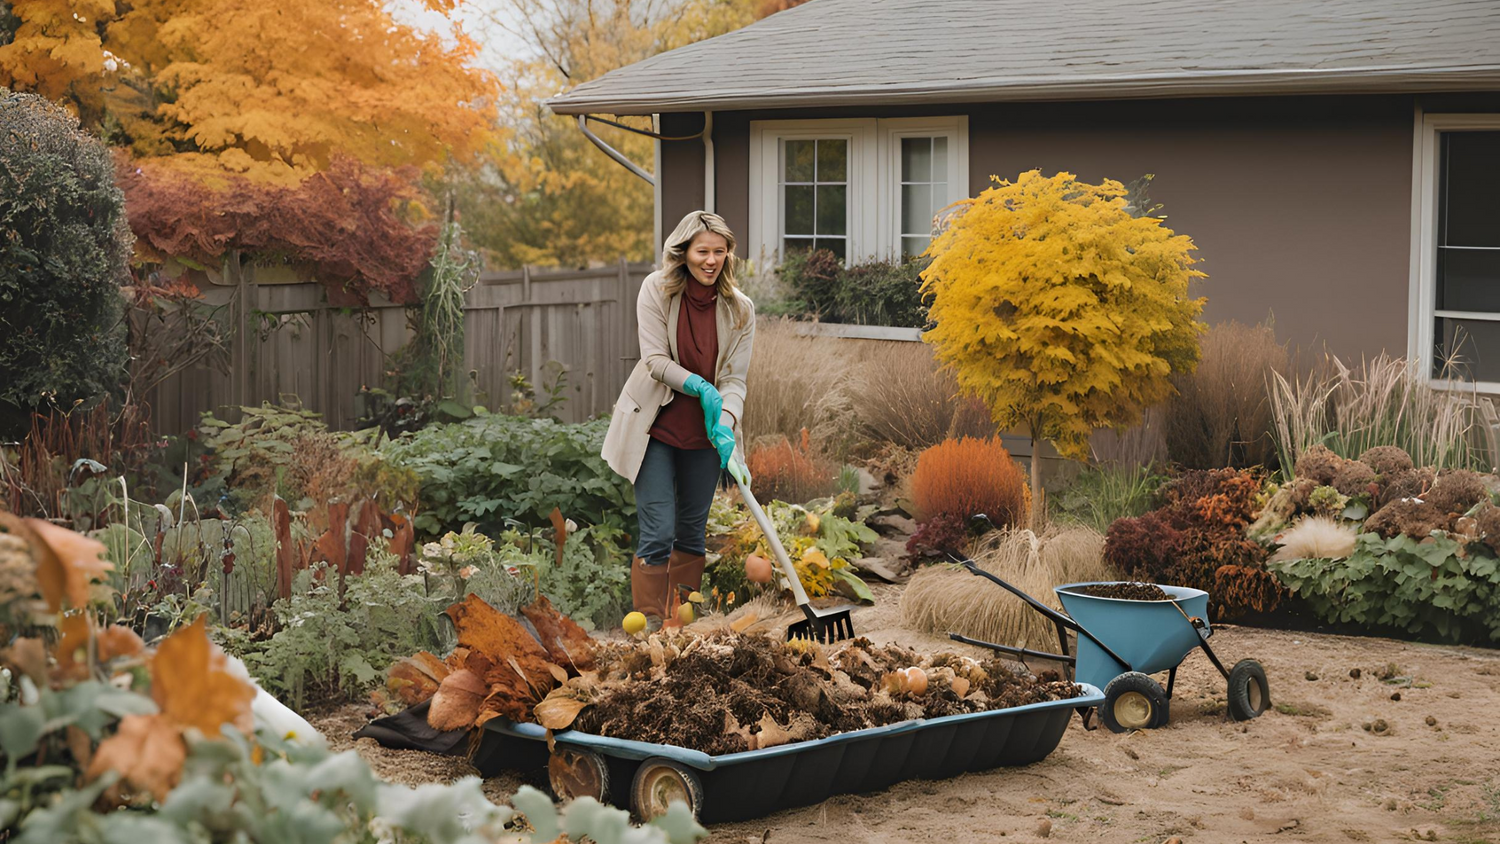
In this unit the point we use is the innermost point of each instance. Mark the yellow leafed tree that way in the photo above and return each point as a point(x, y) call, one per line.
point(1060, 309)
point(270, 89)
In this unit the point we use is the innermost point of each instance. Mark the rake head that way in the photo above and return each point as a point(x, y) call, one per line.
point(824, 625)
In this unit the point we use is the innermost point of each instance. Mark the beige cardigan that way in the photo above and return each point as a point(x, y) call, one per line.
point(658, 376)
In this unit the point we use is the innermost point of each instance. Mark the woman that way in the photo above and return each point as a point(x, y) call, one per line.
point(675, 423)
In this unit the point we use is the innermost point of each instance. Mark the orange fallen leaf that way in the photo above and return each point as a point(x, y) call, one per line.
point(27, 656)
point(416, 678)
point(559, 709)
point(118, 640)
point(192, 684)
point(147, 751)
point(566, 642)
point(72, 652)
point(456, 703)
point(66, 563)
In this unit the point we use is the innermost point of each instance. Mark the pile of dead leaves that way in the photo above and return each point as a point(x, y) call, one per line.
point(726, 692)
point(501, 667)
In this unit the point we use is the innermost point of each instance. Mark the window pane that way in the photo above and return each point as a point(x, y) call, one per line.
point(916, 159)
point(833, 160)
point(799, 209)
point(832, 244)
point(916, 209)
point(832, 209)
point(1470, 204)
point(911, 247)
point(1468, 279)
point(939, 197)
point(1470, 347)
point(799, 161)
point(794, 244)
point(940, 159)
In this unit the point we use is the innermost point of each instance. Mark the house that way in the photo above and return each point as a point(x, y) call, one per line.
point(1337, 162)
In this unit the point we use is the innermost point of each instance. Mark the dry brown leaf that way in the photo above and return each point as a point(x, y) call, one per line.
point(566, 642)
point(741, 624)
point(147, 751)
point(559, 709)
point(456, 704)
point(72, 652)
point(118, 640)
point(66, 562)
point(559, 532)
point(511, 663)
point(416, 678)
point(558, 673)
point(27, 656)
point(732, 728)
point(960, 686)
point(771, 734)
point(80, 745)
point(192, 684)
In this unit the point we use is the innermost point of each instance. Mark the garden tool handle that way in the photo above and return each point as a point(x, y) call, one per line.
point(769, 530)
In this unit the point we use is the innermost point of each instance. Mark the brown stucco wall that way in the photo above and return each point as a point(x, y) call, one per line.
point(1300, 207)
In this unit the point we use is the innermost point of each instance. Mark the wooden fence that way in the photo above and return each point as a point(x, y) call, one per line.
point(288, 341)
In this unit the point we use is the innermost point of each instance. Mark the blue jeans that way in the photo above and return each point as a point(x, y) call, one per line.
point(673, 491)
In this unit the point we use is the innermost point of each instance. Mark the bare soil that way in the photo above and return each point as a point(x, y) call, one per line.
point(1125, 591)
point(1307, 770)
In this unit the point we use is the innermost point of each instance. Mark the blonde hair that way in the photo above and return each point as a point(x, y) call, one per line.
point(674, 262)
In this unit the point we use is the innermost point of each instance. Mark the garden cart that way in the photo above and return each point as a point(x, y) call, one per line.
point(1121, 642)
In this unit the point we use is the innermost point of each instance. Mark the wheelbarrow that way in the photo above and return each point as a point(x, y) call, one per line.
point(1121, 643)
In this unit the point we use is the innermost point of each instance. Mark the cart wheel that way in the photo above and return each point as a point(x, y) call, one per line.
point(1248, 693)
point(659, 782)
point(1133, 701)
point(575, 773)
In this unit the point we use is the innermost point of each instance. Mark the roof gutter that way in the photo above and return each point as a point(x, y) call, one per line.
point(610, 151)
point(708, 162)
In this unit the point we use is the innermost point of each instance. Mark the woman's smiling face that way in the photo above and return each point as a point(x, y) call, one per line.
point(706, 255)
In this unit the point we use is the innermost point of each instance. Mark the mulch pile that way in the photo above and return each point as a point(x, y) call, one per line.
point(729, 692)
point(1126, 591)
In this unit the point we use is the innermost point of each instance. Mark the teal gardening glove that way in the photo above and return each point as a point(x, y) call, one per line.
point(713, 410)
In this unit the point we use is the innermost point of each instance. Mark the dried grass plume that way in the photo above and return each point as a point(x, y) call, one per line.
point(1316, 538)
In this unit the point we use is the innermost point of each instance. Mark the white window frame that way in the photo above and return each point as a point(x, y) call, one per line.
point(892, 130)
point(1423, 300)
point(874, 177)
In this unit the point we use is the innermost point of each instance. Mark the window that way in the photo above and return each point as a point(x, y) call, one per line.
point(863, 188)
point(815, 195)
point(1458, 245)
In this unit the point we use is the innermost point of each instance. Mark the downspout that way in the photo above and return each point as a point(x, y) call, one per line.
point(708, 162)
point(610, 151)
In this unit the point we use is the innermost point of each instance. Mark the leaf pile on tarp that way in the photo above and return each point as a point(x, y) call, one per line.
point(502, 666)
point(726, 692)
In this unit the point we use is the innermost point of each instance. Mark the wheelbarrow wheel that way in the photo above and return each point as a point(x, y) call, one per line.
point(1134, 701)
point(660, 782)
point(1248, 693)
point(573, 773)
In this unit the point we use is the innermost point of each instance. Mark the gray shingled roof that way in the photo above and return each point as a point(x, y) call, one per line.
point(853, 52)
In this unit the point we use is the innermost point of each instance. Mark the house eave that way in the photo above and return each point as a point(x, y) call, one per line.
point(1163, 86)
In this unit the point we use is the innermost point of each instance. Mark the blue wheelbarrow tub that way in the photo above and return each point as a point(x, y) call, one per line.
point(754, 783)
point(1151, 635)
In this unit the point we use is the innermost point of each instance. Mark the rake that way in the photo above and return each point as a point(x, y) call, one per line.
point(826, 625)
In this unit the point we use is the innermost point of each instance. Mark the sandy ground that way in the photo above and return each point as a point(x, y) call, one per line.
point(1308, 770)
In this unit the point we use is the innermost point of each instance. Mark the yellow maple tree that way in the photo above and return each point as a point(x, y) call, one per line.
point(271, 89)
point(1060, 309)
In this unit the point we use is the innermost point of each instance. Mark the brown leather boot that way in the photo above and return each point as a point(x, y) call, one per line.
point(648, 587)
point(684, 569)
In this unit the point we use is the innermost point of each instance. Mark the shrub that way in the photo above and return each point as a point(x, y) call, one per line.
point(1221, 415)
point(966, 476)
point(784, 472)
point(1101, 495)
point(904, 398)
point(64, 255)
point(872, 293)
point(493, 468)
point(946, 533)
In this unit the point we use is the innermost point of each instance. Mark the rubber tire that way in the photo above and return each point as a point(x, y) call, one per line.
point(574, 772)
point(1249, 695)
point(1134, 682)
point(647, 805)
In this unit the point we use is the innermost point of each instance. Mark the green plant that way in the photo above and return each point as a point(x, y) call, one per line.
point(591, 584)
point(64, 255)
point(329, 648)
point(1101, 494)
point(495, 468)
point(876, 292)
point(1443, 586)
point(1061, 310)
